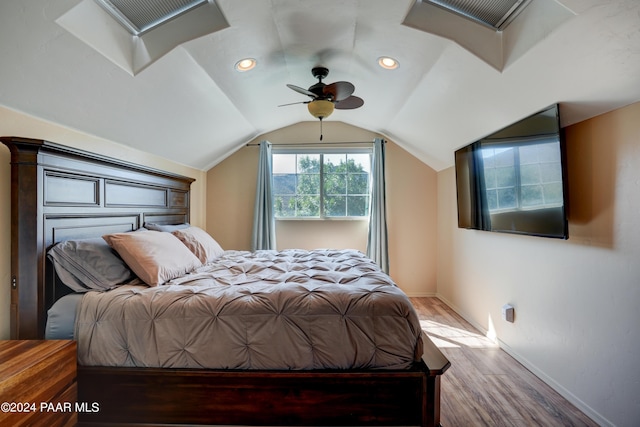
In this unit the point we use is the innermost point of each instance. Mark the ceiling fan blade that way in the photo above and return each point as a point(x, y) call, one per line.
point(302, 91)
point(349, 103)
point(339, 90)
point(294, 103)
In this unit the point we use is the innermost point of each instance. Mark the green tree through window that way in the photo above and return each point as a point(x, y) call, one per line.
point(319, 185)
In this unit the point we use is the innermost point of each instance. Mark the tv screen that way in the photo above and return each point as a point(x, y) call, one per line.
point(513, 181)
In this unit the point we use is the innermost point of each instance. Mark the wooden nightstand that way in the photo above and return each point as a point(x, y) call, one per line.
point(38, 383)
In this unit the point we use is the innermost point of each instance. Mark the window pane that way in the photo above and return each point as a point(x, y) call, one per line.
point(309, 184)
point(506, 198)
point(358, 183)
point(358, 206)
point(308, 163)
point(529, 154)
point(505, 177)
point(490, 178)
point(335, 205)
point(531, 196)
point(284, 184)
point(551, 172)
point(284, 206)
point(307, 206)
point(335, 184)
point(488, 157)
point(334, 162)
point(529, 174)
point(492, 199)
point(549, 153)
point(360, 161)
point(504, 157)
point(284, 163)
point(552, 193)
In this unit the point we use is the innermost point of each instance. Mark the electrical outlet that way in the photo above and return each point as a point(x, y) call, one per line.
point(508, 313)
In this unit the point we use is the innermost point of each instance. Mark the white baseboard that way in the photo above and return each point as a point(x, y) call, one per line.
point(422, 295)
point(573, 399)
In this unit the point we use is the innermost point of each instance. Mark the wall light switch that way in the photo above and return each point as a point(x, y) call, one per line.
point(508, 313)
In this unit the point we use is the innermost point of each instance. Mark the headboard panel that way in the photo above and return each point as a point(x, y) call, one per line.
point(60, 193)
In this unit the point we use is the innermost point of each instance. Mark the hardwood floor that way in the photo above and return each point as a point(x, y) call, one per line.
point(484, 385)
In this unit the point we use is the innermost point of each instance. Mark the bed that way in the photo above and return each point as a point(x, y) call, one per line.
point(60, 194)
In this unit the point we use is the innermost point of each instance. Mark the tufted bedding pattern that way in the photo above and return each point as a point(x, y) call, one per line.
point(291, 309)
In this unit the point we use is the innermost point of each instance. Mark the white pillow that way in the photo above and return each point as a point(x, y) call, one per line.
point(154, 256)
point(200, 243)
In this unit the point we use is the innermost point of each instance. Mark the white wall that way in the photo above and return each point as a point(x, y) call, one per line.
point(13, 123)
point(577, 302)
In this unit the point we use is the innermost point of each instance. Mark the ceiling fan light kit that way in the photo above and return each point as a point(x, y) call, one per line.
point(320, 109)
point(327, 97)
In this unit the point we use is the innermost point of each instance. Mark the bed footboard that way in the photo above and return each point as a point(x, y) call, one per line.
point(203, 397)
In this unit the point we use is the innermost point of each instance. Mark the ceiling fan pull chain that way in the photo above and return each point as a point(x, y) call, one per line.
point(320, 128)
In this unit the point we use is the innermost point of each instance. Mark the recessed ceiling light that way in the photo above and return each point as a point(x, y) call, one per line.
point(245, 64)
point(388, 63)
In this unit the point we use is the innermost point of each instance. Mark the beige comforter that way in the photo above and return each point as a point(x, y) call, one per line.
point(265, 310)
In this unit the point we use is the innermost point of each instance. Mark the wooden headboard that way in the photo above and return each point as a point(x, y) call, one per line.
point(60, 193)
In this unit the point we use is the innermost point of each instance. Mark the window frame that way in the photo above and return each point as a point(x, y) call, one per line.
point(324, 151)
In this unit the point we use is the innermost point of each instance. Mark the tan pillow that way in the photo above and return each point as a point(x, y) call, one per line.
point(154, 256)
point(200, 243)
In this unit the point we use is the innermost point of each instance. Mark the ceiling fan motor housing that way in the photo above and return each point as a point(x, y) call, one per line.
point(320, 72)
point(318, 88)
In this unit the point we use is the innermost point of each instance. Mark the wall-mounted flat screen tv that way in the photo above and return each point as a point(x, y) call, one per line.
point(513, 181)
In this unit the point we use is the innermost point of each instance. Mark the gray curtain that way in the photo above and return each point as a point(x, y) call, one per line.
point(377, 247)
point(479, 202)
point(264, 228)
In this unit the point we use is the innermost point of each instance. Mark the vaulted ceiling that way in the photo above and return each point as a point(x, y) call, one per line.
point(65, 61)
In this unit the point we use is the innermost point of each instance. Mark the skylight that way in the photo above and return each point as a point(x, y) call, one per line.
point(133, 34)
point(140, 16)
point(494, 13)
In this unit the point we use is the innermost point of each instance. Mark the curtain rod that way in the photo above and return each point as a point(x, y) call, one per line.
point(297, 144)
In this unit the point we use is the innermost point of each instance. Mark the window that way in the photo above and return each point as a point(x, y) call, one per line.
point(523, 177)
point(321, 184)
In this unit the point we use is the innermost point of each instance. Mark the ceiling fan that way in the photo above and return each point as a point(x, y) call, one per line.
point(326, 97)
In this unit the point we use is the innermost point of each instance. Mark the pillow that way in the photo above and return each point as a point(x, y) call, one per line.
point(166, 227)
point(61, 318)
point(154, 256)
point(200, 243)
point(88, 264)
